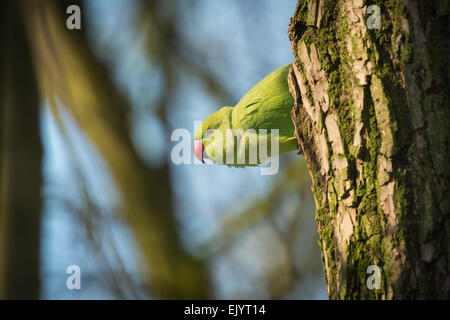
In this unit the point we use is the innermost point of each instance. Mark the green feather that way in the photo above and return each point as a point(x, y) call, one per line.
point(266, 106)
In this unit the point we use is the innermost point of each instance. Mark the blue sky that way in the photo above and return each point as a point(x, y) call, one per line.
point(242, 44)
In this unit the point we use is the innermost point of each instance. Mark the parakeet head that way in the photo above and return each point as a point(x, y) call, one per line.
point(206, 135)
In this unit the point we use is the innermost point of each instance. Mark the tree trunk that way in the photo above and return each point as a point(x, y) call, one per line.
point(370, 113)
point(20, 161)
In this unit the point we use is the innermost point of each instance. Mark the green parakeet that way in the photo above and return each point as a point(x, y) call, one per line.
point(252, 124)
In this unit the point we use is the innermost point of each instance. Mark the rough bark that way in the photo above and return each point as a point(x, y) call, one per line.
point(370, 113)
point(20, 161)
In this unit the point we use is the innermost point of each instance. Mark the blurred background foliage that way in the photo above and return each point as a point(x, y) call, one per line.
point(112, 201)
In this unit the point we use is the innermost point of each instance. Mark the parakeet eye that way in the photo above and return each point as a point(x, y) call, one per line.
point(209, 132)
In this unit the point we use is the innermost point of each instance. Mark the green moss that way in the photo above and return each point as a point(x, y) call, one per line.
point(332, 200)
point(302, 12)
point(391, 50)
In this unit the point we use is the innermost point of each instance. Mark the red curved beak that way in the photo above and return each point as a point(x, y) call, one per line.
point(198, 150)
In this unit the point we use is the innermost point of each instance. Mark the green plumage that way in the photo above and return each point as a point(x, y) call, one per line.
point(266, 106)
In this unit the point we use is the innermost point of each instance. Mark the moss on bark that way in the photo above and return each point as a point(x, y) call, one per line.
point(369, 114)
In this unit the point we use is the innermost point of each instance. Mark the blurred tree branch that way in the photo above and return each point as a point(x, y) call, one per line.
point(20, 161)
point(293, 179)
point(281, 266)
point(167, 48)
point(67, 67)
